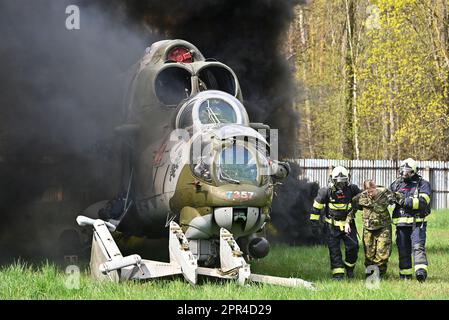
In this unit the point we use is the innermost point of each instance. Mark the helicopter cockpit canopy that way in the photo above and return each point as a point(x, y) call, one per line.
point(224, 149)
point(210, 108)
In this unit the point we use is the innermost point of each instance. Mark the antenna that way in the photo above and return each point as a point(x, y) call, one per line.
point(212, 116)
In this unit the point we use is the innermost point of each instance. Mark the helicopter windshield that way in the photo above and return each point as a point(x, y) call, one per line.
point(214, 111)
point(238, 164)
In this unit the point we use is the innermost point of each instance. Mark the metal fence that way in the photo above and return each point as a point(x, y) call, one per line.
point(384, 172)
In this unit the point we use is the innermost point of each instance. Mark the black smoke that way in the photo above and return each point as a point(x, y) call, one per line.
point(61, 95)
point(246, 35)
point(60, 98)
point(291, 209)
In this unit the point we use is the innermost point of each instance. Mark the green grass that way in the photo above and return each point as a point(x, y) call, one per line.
point(310, 263)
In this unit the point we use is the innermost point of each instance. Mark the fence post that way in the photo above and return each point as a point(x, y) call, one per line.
point(446, 177)
point(329, 170)
point(426, 173)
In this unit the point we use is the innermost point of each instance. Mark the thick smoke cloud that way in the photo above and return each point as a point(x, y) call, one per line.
point(61, 94)
point(59, 101)
point(243, 34)
point(291, 209)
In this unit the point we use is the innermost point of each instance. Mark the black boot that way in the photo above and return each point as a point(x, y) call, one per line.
point(338, 277)
point(382, 272)
point(405, 276)
point(350, 273)
point(421, 275)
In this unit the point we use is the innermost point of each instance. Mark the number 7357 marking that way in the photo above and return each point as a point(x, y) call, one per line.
point(239, 195)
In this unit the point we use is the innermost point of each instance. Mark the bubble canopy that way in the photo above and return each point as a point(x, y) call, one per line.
point(211, 108)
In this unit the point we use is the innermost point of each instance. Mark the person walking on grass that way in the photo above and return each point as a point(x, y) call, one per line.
point(377, 234)
point(332, 205)
point(410, 220)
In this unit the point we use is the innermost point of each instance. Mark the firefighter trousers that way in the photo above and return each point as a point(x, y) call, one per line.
point(411, 241)
point(335, 236)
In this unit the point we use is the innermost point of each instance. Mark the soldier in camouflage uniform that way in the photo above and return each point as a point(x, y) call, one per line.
point(377, 237)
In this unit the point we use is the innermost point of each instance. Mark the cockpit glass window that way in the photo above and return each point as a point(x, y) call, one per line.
point(238, 164)
point(217, 78)
point(172, 85)
point(216, 111)
point(185, 119)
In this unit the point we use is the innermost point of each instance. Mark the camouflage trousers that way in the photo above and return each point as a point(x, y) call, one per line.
point(377, 245)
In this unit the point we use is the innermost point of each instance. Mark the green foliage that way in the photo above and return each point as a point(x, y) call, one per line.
point(401, 103)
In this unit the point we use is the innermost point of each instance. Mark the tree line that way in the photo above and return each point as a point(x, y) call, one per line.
point(372, 78)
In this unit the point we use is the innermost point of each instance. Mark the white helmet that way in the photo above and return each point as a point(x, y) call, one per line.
point(340, 177)
point(408, 168)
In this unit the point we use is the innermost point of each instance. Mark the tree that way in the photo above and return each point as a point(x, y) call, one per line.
point(375, 78)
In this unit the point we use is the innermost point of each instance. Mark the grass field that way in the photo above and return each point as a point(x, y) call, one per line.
point(310, 263)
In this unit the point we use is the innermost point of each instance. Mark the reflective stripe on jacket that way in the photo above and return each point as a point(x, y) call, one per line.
point(417, 193)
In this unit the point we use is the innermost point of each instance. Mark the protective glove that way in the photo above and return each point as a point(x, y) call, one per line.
point(408, 203)
point(401, 202)
point(391, 199)
point(348, 228)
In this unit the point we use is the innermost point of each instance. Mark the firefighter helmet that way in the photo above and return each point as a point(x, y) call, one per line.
point(340, 177)
point(408, 168)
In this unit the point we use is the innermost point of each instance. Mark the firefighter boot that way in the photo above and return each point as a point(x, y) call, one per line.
point(421, 275)
point(350, 272)
point(382, 271)
point(338, 277)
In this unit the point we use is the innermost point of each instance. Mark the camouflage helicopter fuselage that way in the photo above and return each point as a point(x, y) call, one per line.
point(191, 155)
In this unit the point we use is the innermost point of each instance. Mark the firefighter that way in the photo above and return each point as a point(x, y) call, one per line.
point(333, 205)
point(410, 220)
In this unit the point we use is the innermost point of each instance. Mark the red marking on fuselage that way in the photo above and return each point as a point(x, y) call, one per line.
point(159, 155)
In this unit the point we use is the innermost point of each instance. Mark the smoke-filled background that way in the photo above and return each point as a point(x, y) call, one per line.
point(61, 93)
point(244, 35)
point(60, 100)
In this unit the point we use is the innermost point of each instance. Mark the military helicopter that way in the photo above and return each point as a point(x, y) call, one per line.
point(193, 167)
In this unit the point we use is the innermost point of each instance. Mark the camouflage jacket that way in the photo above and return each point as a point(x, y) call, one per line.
point(375, 209)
